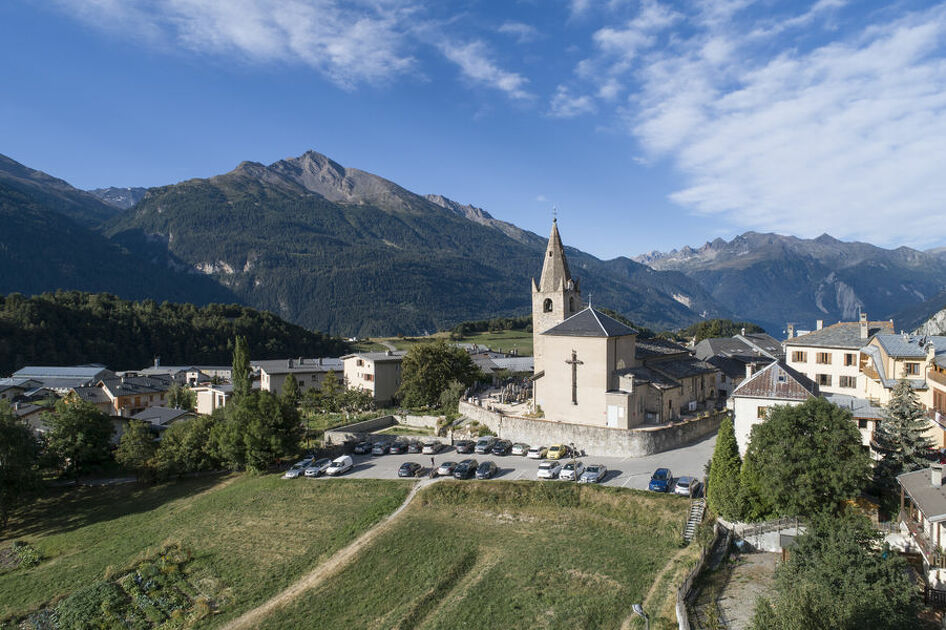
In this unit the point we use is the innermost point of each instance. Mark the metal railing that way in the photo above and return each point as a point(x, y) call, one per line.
point(931, 552)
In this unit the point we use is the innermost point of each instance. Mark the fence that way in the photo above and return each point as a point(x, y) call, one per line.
point(683, 593)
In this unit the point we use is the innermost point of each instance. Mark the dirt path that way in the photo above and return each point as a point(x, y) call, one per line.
point(653, 588)
point(314, 578)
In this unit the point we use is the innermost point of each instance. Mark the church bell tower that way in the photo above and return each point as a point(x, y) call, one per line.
point(555, 297)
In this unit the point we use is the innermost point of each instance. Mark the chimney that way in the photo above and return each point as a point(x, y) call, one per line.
point(749, 367)
point(289, 363)
point(389, 353)
point(743, 332)
point(819, 324)
point(864, 326)
point(791, 331)
point(320, 360)
point(936, 475)
point(157, 362)
point(301, 361)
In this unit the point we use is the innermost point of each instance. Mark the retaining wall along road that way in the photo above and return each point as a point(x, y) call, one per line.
point(356, 430)
point(595, 440)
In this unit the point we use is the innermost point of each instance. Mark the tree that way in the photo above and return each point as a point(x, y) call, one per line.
point(241, 376)
point(80, 435)
point(179, 397)
point(254, 431)
point(136, 449)
point(723, 489)
point(808, 458)
point(451, 396)
point(429, 368)
point(187, 447)
point(901, 438)
point(19, 452)
point(290, 390)
point(839, 577)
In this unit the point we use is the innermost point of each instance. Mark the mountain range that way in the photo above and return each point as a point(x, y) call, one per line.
point(348, 252)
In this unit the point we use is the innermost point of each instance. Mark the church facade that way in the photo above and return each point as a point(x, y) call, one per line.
point(594, 370)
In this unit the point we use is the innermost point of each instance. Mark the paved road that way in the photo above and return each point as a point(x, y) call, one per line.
point(628, 472)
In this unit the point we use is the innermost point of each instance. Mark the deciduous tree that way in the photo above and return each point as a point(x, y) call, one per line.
point(429, 368)
point(79, 434)
point(136, 448)
point(179, 397)
point(18, 458)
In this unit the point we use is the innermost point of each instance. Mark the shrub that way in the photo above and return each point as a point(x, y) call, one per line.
point(27, 554)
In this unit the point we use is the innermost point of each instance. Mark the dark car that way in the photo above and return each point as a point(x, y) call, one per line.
point(661, 480)
point(486, 470)
point(381, 448)
point(465, 469)
point(465, 446)
point(502, 447)
point(408, 469)
point(414, 446)
point(363, 448)
point(398, 447)
point(484, 445)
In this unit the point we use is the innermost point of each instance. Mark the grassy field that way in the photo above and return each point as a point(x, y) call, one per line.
point(253, 534)
point(508, 554)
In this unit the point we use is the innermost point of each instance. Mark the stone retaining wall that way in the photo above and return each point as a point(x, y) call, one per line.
point(356, 430)
point(595, 440)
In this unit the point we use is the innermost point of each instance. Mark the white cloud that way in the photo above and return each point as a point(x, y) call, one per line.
point(350, 42)
point(476, 63)
point(844, 138)
point(524, 33)
point(566, 105)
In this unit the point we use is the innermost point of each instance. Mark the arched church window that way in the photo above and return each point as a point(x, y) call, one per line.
point(547, 305)
point(571, 305)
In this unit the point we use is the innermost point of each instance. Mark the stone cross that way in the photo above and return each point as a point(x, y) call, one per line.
point(574, 362)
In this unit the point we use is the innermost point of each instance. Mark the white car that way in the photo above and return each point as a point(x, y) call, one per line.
point(549, 470)
point(572, 471)
point(537, 452)
point(431, 448)
point(340, 465)
point(519, 448)
point(317, 467)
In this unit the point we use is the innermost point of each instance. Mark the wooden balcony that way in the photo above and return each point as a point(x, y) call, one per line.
point(937, 377)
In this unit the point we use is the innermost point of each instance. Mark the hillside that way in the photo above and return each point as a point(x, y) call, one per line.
point(773, 279)
point(343, 250)
point(68, 328)
point(121, 198)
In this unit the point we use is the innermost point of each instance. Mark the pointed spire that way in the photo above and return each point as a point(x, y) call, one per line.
point(555, 273)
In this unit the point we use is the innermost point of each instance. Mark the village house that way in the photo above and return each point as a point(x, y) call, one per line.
point(309, 373)
point(126, 395)
point(160, 418)
point(592, 369)
point(830, 356)
point(922, 515)
point(188, 375)
point(212, 397)
point(61, 379)
point(376, 372)
point(731, 356)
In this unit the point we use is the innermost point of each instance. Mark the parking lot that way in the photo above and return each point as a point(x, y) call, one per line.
point(628, 472)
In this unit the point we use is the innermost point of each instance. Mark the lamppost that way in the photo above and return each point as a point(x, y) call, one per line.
point(639, 611)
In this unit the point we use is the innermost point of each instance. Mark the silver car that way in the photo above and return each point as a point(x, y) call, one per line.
point(549, 470)
point(317, 468)
point(520, 449)
point(536, 452)
point(685, 486)
point(572, 471)
point(432, 447)
point(594, 473)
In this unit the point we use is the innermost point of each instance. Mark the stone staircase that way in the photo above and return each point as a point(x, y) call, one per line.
point(697, 508)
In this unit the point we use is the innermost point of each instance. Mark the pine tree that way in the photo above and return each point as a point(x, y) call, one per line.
point(722, 490)
point(241, 378)
point(290, 391)
point(901, 437)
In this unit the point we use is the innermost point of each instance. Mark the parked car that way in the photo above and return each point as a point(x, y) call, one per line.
point(432, 447)
point(398, 447)
point(686, 486)
point(501, 447)
point(318, 467)
point(484, 445)
point(381, 448)
point(363, 448)
point(297, 469)
point(594, 473)
point(465, 469)
point(486, 470)
point(572, 471)
point(465, 446)
point(446, 469)
point(558, 451)
point(660, 481)
point(340, 466)
point(408, 469)
point(537, 452)
point(520, 448)
point(415, 446)
point(549, 470)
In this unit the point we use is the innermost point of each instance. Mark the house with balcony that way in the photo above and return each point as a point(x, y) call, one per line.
point(922, 518)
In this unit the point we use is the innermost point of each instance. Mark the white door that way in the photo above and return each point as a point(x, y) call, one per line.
point(613, 411)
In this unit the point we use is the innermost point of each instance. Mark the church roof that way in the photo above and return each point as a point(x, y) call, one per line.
point(590, 323)
point(555, 272)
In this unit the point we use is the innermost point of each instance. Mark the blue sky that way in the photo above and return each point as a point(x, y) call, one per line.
point(649, 125)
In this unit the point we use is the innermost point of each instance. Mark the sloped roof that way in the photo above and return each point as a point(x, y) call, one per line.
point(161, 416)
point(133, 385)
point(777, 381)
point(300, 366)
point(880, 367)
point(721, 346)
point(656, 347)
point(647, 375)
point(859, 407)
point(378, 357)
point(589, 322)
point(910, 346)
point(67, 371)
point(845, 335)
point(930, 500)
point(764, 342)
point(92, 394)
point(682, 368)
point(515, 364)
point(555, 273)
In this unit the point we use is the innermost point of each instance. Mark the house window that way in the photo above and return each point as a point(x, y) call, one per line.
point(861, 423)
point(847, 381)
point(359, 362)
point(911, 369)
point(850, 359)
point(547, 305)
point(369, 377)
point(823, 379)
point(760, 412)
point(799, 356)
point(824, 358)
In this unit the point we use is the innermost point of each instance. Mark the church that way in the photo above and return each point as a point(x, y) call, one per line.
point(593, 370)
